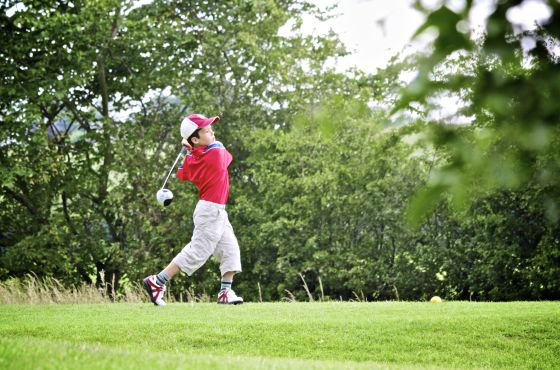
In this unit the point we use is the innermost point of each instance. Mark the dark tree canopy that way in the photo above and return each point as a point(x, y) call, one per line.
point(329, 186)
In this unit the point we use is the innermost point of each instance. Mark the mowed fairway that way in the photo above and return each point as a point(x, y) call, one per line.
point(281, 335)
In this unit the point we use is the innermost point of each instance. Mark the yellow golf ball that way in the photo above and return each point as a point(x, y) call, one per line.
point(435, 299)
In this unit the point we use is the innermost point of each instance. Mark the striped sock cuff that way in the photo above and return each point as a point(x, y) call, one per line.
point(226, 285)
point(162, 278)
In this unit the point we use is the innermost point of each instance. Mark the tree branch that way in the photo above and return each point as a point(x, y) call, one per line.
point(27, 204)
point(67, 214)
point(103, 86)
point(70, 105)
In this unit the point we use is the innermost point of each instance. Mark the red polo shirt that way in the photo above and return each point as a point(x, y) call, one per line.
point(207, 168)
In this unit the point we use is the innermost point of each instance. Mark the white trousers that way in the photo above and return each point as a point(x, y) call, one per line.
point(212, 235)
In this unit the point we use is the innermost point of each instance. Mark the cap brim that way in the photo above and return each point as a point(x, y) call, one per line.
point(209, 121)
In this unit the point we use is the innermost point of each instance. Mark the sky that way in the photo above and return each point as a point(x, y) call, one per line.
point(375, 30)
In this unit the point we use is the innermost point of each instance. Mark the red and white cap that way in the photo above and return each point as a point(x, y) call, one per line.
point(193, 122)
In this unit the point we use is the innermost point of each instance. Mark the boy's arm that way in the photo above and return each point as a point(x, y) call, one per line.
point(182, 171)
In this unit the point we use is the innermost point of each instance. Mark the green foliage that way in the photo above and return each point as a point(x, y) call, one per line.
point(325, 182)
point(330, 206)
point(90, 99)
point(325, 200)
point(512, 96)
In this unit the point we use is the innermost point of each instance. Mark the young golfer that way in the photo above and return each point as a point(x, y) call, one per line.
point(205, 165)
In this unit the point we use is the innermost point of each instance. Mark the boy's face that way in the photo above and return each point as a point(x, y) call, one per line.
point(205, 136)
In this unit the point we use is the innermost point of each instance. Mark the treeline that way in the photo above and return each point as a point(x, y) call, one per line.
point(331, 214)
point(338, 192)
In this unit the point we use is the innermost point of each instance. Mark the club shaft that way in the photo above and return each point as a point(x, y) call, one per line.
point(172, 167)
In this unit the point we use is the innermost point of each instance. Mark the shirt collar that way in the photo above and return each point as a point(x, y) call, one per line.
point(199, 151)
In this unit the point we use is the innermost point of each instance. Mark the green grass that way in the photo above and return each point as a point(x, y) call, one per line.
point(282, 335)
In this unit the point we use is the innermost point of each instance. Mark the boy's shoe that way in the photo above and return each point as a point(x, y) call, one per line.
point(155, 290)
point(228, 296)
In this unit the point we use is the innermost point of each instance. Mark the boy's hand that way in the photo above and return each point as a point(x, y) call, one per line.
point(186, 143)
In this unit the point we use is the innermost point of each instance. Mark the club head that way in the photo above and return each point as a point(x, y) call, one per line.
point(164, 197)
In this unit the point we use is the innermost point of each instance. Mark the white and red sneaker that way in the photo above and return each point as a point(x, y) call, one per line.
point(228, 296)
point(155, 290)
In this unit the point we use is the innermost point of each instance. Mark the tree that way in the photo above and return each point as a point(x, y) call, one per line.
point(323, 202)
point(90, 100)
point(509, 91)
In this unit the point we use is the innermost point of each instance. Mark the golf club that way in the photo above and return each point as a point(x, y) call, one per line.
point(165, 196)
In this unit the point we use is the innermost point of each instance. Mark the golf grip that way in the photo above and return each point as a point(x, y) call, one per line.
point(172, 167)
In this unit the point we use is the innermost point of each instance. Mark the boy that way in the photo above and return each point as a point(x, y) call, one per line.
point(205, 165)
